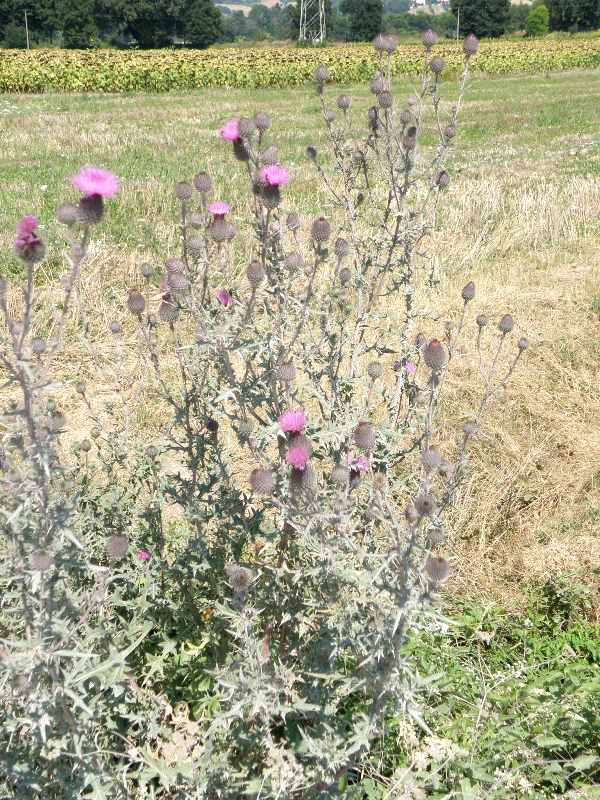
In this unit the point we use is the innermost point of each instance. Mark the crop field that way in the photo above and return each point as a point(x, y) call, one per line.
point(170, 70)
point(512, 708)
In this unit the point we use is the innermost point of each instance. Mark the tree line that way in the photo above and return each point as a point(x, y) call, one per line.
point(200, 23)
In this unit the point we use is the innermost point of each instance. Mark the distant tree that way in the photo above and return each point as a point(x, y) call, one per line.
point(538, 21)
point(366, 18)
point(15, 35)
point(397, 6)
point(202, 23)
point(482, 17)
point(518, 17)
point(40, 17)
point(574, 15)
point(77, 23)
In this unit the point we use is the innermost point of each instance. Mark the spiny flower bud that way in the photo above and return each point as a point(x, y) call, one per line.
point(430, 38)
point(80, 387)
point(375, 370)
point(345, 276)
point(294, 261)
point(286, 373)
point(203, 182)
point(471, 45)
point(468, 292)
point(115, 327)
point(409, 140)
point(431, 459)
point(262, 480)
point(411, 514)
point(311, 152)
point(91, 209)
point(255, 273)
point(240, 578)
point(506, 324)
point(38, 345)
point(434, 355)
point(41, 561)
point(135, 302)
point(183, 191)
point(68, 214)
point(240, 150)
point(450, 132)
point(385, 99)
point(364, 436)
point(405, 117)
point(246, 127)
point(523, 343)
point(147, 270)
point(384, 44)
point(167, 310)
point(293, 221)
point(262, 121)
point(175, 265)
point(378, 84)
point(245, 430)
point(177, 281)
point(329, 116)
point(86, 445)
point(481, 321)
point(437, 569)
point(340, 475)
point(116, 547)
point(343, 102)
point(195, 244)
point(321, 74)
point(437, 65)
point(425, 504)
point(442, 180)
point(269, 156)
point(221, 230)
point(321, 230)
point(341, 248)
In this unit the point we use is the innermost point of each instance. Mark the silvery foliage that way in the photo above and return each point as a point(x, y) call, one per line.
point(298, 583)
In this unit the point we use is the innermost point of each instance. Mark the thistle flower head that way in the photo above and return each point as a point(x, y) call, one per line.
point(143, 554)
point(293, 421)
point(442, 180)
point(378, 83)
point(437, 569)
point(41, 561)
point(286, 373)
point(385, 99)
point(293, 221)
point(239, 577)
point(468, 292)
point(321, 230)
point(410, 368)
point(95, 181)
point(230, 131)
point(523, 343)
point(262, 121)
point(246, 127)
point(224, 297)
point(437, 65)
point(255, 273)
point(430, 38)
point(506, 324)
point(28, 245)
point(340, 475)
point(275, 175)
point(67, 214)
point(270, 155)
point(344, 102)
point(90, 209)
point(203, 182)
point(471, 45)
point(221, 230)
point(341, 248)
point(360, 464)
point(375, 370)
point(481, 320)
point(184, 191)
point(435, 355)
point(116, 546)
point(219, 208)
point(298, 456)
point(425, 504)
point(135, 302)
point(364, 435)
point(321, 74)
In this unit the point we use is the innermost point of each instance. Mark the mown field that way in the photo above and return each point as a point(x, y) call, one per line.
point(516, 714)
point(178, 70)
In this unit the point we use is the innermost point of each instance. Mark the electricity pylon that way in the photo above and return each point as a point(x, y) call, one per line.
point(312, 21)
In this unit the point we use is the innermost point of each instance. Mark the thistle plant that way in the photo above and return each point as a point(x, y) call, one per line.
point(311, 467)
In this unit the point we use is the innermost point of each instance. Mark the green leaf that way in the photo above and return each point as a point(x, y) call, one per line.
point(582, 763)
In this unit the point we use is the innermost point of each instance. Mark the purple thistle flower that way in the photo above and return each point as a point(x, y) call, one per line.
point(95, 181)
point(275, 175)
point(230, 131)
point(359, 464)
point(219, 208)
point(143, 554)
point(298, 457)
point(293, 421)
point(224, 297)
